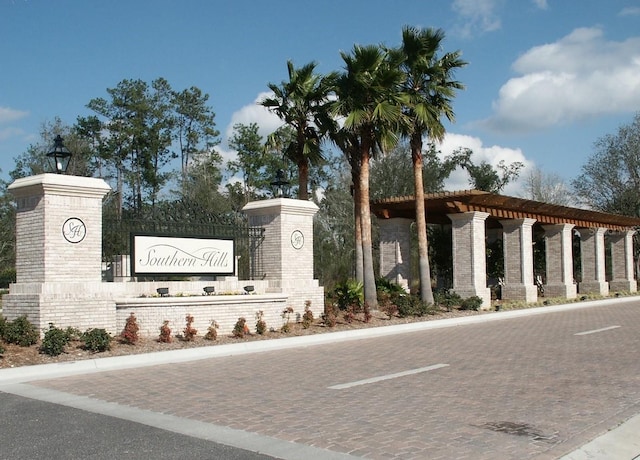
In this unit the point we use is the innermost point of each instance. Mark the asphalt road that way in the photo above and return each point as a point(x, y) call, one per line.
point(31, 429)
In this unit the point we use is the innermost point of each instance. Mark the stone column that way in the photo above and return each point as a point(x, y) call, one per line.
point(559, 259)
point(622, 262)
point(592, 253)
point(517, 239)
point(58, 251)
point(469, 256)
point(287, 249)
point(395, 250)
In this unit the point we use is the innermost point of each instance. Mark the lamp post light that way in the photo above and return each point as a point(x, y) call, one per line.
point(280, 183)
point(59, 156)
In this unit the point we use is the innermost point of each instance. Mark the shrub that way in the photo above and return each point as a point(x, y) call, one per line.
point(329, 318)
point(96, 340)
point(307, 317)
point(411, 305)
point(240, 328)
point(447, 299)
point(189, 332)
point(387, 293)
point(261, 324)
point(212, 331)
point(3, 326)
point(21, 332)
point(349, 315)
point(349, 294)
point(385, 286)
point(130, 333)
point(471, 303)
point(286, 316)
point(165, 333)
point(54, 341)
point(387, 305)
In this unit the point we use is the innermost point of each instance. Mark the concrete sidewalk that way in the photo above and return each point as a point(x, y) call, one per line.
point(623, 442)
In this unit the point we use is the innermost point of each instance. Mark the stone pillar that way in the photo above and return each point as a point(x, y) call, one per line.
point(287, 249)
point(559, 258)
point(517, 239)
point(395, 250)
point(58, 250)
point(592, 253)
point(469, 256)
point(622, 262)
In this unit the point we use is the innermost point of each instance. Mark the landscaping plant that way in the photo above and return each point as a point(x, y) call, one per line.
point(349, 294)
point(261, 324)
point(471, 303)
point(212, 331)
point(329, 318)
point(165, 332)
point(240, 328)
point(96, 340)
point(286, 316)
point(21, 332)
point(130, 333)
point(54, 341)
point(307, 316)
point(189, 332)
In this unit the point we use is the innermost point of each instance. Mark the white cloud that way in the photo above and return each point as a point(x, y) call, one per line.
point(542, 4)
point(254, 113)
point(6, 133)
point(477, 16)
point(630, 11)
point(581, 75)
point(8, 114)
point(493, 155)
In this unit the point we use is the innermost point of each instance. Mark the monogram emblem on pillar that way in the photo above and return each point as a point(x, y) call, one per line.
point(74, 230)
point(297, 239)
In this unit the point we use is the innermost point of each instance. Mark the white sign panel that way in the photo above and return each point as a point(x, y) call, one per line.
point(163, 255)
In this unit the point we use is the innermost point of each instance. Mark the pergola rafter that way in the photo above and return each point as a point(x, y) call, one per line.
point(439, 204)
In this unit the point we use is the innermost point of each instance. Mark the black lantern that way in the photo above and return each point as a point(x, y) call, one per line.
point(280, 183)
point(59, 156)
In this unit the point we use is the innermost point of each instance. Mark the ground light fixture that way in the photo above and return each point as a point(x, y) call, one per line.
point(59, 157)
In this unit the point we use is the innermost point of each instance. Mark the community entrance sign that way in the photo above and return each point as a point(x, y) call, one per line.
point(167, 255)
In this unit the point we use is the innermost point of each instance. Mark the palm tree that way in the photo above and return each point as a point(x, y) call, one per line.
point(371, 110)
point(428, 88)
point(349, 143)
point(300, 103)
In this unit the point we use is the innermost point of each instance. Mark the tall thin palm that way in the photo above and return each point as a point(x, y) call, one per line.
point(371, 110)
point(428, 88)
point(300, 103)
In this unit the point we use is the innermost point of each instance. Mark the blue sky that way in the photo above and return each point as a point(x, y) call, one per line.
point(545, 80)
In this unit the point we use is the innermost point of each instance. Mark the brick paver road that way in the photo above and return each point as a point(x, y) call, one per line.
point(522, 388)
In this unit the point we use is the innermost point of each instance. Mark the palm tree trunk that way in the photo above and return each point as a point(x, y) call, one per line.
point(303, 180)
point(370, 296)
point(357, 216)
point(426, 294)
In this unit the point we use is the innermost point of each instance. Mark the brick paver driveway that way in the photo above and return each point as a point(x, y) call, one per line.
point(534, 387)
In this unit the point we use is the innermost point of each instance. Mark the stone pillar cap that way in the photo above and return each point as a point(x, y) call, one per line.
point(59, 184)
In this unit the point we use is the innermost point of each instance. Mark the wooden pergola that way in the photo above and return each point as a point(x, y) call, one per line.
point(439, 205)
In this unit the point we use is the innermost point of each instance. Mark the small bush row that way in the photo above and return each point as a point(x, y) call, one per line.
point(23, 333)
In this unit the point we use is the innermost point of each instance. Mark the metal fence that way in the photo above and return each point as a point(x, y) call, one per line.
point(116, 239)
